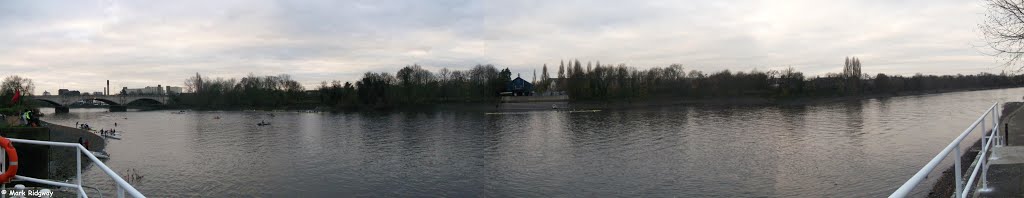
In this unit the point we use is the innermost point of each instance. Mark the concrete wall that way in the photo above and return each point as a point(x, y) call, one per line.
point(62, 159)
point(51, 162)
point(61, 133)
point(33, 160)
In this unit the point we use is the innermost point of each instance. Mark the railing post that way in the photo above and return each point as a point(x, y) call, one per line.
point(984, 170)
point(1002, 133)
point(120, 192)
point(957, 174)
point(995, 132)
point(78, 160)
point(995, 122)
point(3, 168)
point(983, 131)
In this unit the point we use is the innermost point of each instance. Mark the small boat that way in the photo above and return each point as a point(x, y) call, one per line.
point(101, 154)
point(263, 124)
point(217, 117)
point(116, 136)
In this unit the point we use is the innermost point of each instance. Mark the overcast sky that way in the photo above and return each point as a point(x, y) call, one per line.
point(78, 44)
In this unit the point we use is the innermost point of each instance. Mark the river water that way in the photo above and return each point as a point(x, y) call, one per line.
point(864, 148)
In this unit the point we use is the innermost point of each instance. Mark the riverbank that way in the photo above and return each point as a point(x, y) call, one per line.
point(944, 187)
point(59, 161)
point(62, 158)
point(498, 105)
point(623, 104)
point(61, 133)
point(1006, 164)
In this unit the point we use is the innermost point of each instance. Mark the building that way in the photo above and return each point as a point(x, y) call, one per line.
point(127, 91)
point(150, 90)
point(137, 91)
point(519, 87)
point(97, 93)
point(555, 87)
point(66, 92)
point(46, 93)
point(173, 90)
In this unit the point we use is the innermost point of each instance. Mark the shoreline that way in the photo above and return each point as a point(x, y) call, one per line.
point(57, 160)
point(587, 104)
point(943, 187)
point(61, 133)
point(773, 101)
point(808, 100)
point(69, 134)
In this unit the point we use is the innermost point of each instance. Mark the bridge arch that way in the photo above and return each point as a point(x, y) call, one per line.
point(113, 100)
point(105, 101)
point(150, 100)
point(109, 102)
point(55, 104)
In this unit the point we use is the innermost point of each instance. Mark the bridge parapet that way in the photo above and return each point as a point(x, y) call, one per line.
point(119, 100)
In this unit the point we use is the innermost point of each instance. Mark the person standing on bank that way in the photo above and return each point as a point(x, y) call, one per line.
point(28, 117)
point(21, 118)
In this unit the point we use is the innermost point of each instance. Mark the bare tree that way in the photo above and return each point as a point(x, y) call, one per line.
point(15, 82)
point(544, 73)
point(194, 84)
point(1004, 30)
point(851, 68)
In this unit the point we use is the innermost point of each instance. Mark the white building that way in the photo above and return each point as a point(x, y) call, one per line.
point(127, 91)
point(173, 90)
point(150, 90)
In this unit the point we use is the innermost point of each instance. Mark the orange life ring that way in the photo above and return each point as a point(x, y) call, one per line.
point(12, 155)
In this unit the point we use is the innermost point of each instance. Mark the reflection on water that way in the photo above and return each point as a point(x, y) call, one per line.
point(844, 149)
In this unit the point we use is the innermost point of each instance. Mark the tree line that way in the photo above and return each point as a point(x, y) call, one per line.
point(250, 91)
point(414, 85)
point(409, 86)
point(607, 82)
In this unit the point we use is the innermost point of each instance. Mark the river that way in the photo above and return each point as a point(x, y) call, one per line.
point(863, 148)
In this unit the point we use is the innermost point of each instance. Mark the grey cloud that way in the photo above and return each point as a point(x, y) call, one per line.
point(139, 43)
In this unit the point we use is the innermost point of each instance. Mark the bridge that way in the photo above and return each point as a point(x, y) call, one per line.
point(116, 102)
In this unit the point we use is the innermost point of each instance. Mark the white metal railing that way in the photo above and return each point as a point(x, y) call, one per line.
point(954, 147)
point(122, 186)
